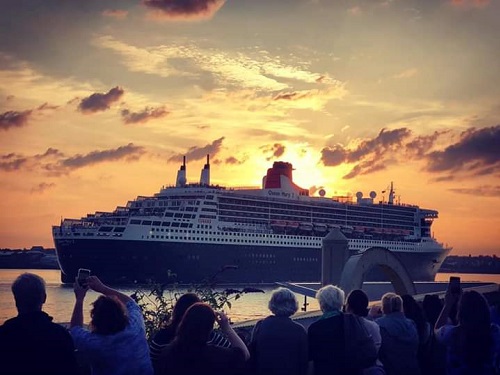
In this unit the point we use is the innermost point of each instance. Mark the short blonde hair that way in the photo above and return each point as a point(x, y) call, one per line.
point(391, 302)
point(330, 298)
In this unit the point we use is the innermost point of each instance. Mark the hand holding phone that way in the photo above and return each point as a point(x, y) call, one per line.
point(82, 277)
point(454, 286)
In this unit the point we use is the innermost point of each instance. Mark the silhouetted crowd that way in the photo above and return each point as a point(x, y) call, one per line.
point(457, 336)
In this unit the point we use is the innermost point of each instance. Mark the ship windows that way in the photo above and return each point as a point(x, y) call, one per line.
point(135, 221)
point(169, 214)
point(175, 224)
point(146, 222)
point(156, 222)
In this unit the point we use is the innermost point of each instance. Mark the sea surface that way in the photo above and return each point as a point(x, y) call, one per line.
point(60, 298)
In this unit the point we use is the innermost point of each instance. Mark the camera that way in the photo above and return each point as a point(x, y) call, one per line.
point(454, 285)
point(82, 277)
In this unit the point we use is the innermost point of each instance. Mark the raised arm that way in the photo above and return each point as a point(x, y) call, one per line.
point(232, 336)
point(95, 284)
point(77, 316)
point(449, 300)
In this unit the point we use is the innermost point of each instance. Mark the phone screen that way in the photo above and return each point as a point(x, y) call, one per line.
point(83, 274)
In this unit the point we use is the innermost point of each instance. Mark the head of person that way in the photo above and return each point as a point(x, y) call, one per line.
point(357, 303)
point(391, 303)
point(183, 303)
point(108, 316)
point(413, 311)
point(196, 325)
point(283, 302)
point(473, 311)
point(330, 298)
point(432, 306)
point(29, 293)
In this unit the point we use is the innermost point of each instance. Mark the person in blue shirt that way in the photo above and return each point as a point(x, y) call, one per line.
point(115, 342)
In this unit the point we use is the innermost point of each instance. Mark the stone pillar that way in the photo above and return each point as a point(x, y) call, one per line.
point(334, 255)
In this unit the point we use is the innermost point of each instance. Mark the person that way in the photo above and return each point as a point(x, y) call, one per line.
point(357, 304)
point(31, 343)
point(413, 311)
point(326, 342)
point(165, 335)
point(432, 306)
point(278, 344)
point(189, 352)
point(115, 342)
point(399, 348)
point(473, 345)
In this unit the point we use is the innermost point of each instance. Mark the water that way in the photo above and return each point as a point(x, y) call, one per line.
point(60, 298)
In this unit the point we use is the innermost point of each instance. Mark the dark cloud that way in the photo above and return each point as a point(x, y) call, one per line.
point(421, 145)
point(294, 95)
point(12, 162)
point(115, 13)
point(184, 9)
point(233, 160)
point(144, 116)
point(369, 155)
point(128, 152)
point(100, 102)
point(9, 97)
point(14, 119)
point(476, 153)
point(47, 106)
point(199, 153)
point(54, 162)
point(42, 187)
point(480, 191)
point(276, 149)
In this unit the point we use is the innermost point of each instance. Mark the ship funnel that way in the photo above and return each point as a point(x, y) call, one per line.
point(205, 173)
point(391, 194)
point(181, 174)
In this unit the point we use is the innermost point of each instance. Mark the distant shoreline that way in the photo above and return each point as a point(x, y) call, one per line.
point(40, 258)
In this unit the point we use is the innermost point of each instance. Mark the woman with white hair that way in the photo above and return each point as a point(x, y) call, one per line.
point(278, 344)
point(326, 336)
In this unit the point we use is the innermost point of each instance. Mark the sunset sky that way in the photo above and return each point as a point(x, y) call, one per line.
point(100, 99)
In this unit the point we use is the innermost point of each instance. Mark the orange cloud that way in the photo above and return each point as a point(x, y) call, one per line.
point(470, 3)
point(115, 13)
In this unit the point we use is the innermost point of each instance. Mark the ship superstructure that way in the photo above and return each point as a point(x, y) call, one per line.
point(260, 235)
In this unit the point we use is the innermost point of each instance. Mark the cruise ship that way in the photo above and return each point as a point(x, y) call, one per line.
point(191, 232)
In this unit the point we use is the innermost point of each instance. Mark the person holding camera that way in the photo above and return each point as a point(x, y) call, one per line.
point(115, 342)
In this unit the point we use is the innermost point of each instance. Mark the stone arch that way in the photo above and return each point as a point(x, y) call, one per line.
point(358, 265)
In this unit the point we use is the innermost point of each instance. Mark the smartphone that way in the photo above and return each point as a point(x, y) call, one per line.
point(454, 285)
point(82, 277)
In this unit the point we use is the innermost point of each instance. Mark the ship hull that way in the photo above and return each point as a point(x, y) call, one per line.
point(128, 261)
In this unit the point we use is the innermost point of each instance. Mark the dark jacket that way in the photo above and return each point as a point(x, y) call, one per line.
point(31, 344)
point(399, 348)
point(279, 346)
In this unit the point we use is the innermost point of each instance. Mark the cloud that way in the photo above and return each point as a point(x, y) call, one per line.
point(14, 119)
point(54, 162)
point(42, 187)
point(369, 154)
point(128, 152)
point(421, 145)
point(243, 69)
point(144, 116)
point(198, 153)
point(233, 160)
point(47, 106)
point(183, 10)
point(476, 153)
point(408, 73)
point(100, 102)
point(355, 10)
point(115, 13)
point(480, 191)
point(276, 149)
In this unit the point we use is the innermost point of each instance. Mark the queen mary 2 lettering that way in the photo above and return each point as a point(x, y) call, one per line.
point(195, 230)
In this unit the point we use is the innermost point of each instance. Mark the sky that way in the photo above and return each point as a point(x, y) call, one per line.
point(100, 99)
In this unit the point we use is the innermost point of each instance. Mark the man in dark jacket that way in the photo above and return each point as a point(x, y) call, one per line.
point(31, 343)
